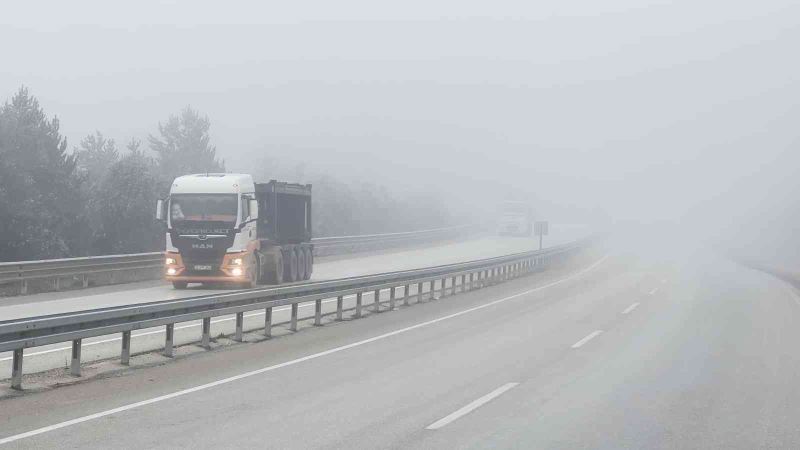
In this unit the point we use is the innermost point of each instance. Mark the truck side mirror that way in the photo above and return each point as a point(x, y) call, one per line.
point(253, 209)
point(160, 210)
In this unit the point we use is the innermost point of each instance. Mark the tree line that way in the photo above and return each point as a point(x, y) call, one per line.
point(98, 198)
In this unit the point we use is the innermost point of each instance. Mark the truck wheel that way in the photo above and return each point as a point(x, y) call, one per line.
point(275, 270)
point(290, 267)
point(301, 264)
point(252, 281)
point(179, 284)
point(309, 263)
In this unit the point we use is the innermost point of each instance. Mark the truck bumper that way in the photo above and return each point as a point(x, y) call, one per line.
point(205, 279)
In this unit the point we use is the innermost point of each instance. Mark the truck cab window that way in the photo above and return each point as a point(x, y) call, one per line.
point(203, 208)
point(245, 208)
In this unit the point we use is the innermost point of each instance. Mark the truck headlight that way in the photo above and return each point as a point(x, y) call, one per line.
point(237, 272)
point(170, 261)
point(237, 262)
point(171, 271)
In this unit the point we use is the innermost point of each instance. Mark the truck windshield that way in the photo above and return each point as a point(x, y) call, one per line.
point(203, 208)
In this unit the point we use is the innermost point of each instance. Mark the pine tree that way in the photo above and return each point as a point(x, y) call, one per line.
point(125, 210)
point(41, 213)
point(183, 145)
point(95, 155)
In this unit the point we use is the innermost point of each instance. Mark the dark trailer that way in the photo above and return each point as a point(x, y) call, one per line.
point(284, 212)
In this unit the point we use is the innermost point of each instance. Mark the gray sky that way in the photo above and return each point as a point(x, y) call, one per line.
point(648, 110)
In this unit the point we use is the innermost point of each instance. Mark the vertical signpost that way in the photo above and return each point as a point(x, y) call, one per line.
point(541, 229)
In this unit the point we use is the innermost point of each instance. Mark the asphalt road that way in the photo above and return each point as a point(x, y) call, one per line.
point(620, 351)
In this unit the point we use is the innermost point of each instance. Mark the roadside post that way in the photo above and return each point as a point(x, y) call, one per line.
point(541, 229)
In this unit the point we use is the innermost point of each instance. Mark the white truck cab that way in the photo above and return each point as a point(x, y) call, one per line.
point(211, 228)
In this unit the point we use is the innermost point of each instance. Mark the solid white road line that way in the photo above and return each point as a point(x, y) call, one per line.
point(630, 308)
point(471, 407)
point(293, 362)
point(653, 292)
point(588, 338)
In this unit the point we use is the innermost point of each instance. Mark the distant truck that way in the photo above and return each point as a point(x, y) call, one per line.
point(224, 228)
point(515, 219)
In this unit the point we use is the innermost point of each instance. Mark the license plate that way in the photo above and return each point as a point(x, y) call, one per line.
point(202, 267)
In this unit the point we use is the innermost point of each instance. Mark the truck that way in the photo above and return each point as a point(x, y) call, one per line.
point(223, 228)
point(515, 219)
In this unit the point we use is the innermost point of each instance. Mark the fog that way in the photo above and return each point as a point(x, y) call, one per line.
point(682, 114)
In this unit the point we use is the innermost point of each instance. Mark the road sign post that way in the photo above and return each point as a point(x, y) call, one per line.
point(541, 229)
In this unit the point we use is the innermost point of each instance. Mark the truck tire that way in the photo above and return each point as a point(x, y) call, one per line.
point(254, 274)
point(272, 268)
point(309, 263)
point(301, 264)
point(179, 284)
point(290, 266)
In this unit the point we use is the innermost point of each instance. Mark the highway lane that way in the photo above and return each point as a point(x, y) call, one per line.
point(706, 359)
point(103, 347)
point(710, 362)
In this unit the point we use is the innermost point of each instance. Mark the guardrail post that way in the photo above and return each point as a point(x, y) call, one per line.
point(419, 292)
point(239, 326)
point(444, 287)
point(75, 365)
point(16, 370)
point(293, 325)
point(85, 281)
point(406, 295)
point(268, 322)
point(339, 307)
point(318, 312)
point(471, 280)
point(453, 285)
point(377, 296)
point(169, 340)
point(125, 354)
point(391, 298)
point(23, 287)
point(57, 283)
point(464, 282)
point(206, 340)
point(433, 290)
point(358, 306)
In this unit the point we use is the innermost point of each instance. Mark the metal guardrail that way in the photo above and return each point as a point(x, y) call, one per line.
point(349, 244)
point(23, 272)
point(18, 334)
